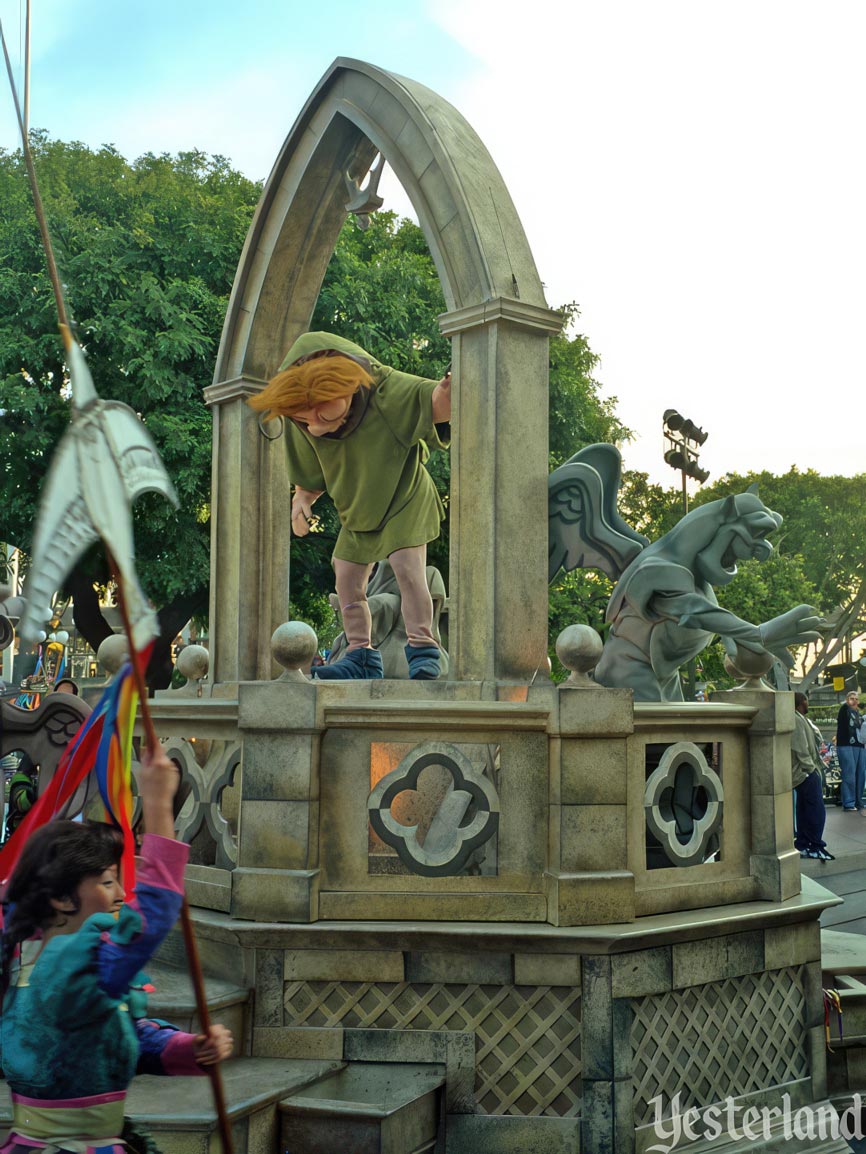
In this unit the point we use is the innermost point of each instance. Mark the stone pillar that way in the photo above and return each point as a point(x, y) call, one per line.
point(774, 861)
point(250, 533)
point(497, 628)
point(588, 879)
point(277, 875)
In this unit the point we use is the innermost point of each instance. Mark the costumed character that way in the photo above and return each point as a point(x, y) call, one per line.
point(74, 1028)
point(361, 431)
point(388, 632)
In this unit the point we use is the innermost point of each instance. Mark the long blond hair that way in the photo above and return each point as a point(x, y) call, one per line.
point(314, 382)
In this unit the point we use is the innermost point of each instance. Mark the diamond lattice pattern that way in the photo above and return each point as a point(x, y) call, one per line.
point(527, 1038)
point(725, 1038)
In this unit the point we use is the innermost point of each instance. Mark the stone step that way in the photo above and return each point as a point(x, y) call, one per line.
point(180, 1115)
point(365, 1108)
point(174, 1001)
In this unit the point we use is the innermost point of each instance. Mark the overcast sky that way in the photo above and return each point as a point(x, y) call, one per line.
point(691, 172)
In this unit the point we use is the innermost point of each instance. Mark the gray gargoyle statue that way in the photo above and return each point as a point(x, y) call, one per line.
point(663, 610)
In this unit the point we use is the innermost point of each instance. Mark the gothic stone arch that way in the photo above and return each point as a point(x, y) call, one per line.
point(499, 324)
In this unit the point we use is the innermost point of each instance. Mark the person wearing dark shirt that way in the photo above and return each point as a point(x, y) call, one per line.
point(852, 757)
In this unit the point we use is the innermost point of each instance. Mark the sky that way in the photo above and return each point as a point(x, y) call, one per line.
point(691, 172)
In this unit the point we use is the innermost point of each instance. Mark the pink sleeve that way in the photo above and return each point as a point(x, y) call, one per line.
point(163, 861)
point(178, 1056)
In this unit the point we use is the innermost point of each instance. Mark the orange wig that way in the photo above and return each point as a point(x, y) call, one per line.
point(314, 382)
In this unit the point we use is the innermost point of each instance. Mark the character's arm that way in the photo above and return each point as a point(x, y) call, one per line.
point(164, 1049)
point(145, 921)
point(302, 506)
point(406, 405)
point(695, 611)
point(797, 626)
point(442, 401)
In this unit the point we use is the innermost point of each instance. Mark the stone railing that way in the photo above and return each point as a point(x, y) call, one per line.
point(473, 801)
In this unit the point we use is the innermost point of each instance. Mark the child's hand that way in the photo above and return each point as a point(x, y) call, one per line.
point(213, 1047)
point(158, 778)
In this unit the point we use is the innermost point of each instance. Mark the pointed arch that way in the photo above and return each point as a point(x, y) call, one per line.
point(499, 325)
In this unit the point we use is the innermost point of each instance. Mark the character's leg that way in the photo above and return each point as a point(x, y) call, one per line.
point(860, 776)
point(360, 659)
point(422, 651)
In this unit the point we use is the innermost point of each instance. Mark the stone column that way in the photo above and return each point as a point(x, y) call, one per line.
point(499, 464)
point(774, 861)
point(277, 875)
point(587, 879)
point(249, 565)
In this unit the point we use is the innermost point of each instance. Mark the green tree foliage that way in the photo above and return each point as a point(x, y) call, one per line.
point(147, 252)
point(824, 524)
point(579, 415)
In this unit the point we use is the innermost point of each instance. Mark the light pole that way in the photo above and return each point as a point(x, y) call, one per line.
point(685, 439)
point(685, 447)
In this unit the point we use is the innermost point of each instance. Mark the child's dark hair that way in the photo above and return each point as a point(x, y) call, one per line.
point(53, 863)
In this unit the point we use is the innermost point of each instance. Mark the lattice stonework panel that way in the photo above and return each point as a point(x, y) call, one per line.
point(527, 1038)
point(725, 1038)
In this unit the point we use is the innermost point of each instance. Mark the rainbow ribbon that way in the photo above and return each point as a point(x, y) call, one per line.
point(102, 745)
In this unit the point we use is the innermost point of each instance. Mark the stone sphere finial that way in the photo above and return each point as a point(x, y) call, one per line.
point(293, 645)
point(752, 666)
point(112, 653)
point(193, 662)
point(579, 648)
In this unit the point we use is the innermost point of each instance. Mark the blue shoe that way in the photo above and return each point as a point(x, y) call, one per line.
point(356, 664)
point(424, 664)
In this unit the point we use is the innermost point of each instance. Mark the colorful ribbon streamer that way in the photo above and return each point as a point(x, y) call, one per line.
point(102, 745)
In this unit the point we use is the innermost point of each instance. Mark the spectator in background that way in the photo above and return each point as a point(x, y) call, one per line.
point(65, 685)
point(22, 793)
point(807, 781)
point(850, 751)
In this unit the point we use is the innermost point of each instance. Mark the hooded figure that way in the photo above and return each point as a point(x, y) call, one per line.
point(361, 431)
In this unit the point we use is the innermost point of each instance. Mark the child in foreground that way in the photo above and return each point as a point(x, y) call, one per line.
point(74, 1030)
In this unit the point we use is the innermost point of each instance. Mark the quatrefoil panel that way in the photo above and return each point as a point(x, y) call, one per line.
point(466, 818)
point(684, 802)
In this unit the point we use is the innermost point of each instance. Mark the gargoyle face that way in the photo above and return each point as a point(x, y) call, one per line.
point(741, 536)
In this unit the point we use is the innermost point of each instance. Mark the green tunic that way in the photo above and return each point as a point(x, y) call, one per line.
point(372, 467)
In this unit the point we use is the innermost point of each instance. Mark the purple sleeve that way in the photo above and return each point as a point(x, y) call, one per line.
point(145, 921)
point(163, 1049)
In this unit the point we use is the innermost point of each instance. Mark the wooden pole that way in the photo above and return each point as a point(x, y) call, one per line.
point(37, 199)
point(192, 957)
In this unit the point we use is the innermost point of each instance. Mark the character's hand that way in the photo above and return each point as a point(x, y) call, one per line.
point(213, 1047)
point(157, 777)
point(442, 400)
point(302, 511)
point(801, 624)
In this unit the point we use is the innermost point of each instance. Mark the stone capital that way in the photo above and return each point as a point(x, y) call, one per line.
point(508, 309)
point(221, 392)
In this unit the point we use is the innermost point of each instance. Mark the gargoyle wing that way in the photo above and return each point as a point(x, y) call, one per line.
point(584, 528)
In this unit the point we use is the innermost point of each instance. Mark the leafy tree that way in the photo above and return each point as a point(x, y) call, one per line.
point(579, 415)
point(148, 253)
